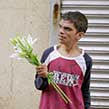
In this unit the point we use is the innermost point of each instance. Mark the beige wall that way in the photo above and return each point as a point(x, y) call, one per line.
point(17, 89)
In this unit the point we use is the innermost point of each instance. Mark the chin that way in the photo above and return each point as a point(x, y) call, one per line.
point(61, 42)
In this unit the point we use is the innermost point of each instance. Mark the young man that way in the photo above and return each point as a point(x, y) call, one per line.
point(70, 66)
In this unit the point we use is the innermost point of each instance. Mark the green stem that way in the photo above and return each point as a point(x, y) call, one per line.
point(64, 94)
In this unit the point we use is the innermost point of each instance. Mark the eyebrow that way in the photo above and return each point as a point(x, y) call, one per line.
point(65, 27)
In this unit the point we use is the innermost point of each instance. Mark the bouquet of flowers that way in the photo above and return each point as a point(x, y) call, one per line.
point(23, 48)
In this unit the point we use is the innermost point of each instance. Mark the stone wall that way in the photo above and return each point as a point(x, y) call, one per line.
point(22, 17)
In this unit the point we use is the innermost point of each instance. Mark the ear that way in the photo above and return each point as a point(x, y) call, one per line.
point(80, 35)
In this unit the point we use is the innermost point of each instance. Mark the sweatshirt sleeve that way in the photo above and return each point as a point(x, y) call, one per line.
point(86, 82)
point(40, 82)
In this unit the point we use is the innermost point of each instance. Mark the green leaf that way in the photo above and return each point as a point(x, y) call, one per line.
point(50, 77)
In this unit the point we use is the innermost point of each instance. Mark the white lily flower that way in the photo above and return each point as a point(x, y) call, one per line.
point(30, 41)
point(23, 41)
point(34, 41)
point(16, 56)
point(17, 49)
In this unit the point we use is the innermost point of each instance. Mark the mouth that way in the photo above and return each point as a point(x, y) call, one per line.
point(61, 37)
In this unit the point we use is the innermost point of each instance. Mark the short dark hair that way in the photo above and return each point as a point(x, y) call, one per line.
point(78, 19)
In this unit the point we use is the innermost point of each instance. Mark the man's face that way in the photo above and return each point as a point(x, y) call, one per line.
point(67, 32)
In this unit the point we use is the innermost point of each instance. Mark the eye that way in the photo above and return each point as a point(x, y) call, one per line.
point(67, 29)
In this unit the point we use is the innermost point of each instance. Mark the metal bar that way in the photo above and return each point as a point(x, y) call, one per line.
point(55, 6)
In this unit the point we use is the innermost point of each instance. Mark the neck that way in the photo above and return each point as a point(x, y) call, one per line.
point(73, 50)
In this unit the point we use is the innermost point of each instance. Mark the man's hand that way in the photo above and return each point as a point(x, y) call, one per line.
point(42, 70)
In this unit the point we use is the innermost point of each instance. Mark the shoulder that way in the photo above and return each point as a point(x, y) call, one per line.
point(49, 50)
point(46, 53)
point(88, 59)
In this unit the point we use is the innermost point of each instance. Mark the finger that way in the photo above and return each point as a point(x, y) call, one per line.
point(43, 74)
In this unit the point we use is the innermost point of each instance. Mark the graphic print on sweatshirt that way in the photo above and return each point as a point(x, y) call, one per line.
point(65, 78)
point(67, 74)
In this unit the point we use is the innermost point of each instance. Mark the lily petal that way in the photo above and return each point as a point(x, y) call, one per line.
point(29, 39)
point(15, 55)
point(34, 41)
